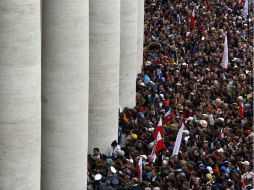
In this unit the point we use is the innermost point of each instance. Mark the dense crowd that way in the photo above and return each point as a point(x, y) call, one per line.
point(182, 74)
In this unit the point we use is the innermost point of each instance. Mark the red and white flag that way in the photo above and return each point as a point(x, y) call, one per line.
point(158, 129)
point(158, 142)
point(152, 157)
point(241, 111)
point(166, 117)
point(159, 146)
point(221, 134)
point(192, 24)
point(224, 62)
point(140, 169)
point(178, 140)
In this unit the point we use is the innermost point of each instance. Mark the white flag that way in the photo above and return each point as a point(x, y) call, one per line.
point(140, 169)
point(178, 140)
point(245, 9)
point(152, 157)
point(224, 62)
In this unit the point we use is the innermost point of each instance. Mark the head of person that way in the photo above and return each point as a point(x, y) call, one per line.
point(96, 151)
point(113, 144)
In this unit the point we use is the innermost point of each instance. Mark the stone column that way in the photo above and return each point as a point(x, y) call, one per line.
point(128, 63)
point(20, 95)
point(104, 59)
point(65, 75)
point(141, 12)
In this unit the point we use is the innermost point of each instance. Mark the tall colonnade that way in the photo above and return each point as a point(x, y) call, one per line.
point(65, 67)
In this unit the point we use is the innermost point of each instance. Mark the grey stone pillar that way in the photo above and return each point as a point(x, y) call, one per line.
point(65, 71)
point(20, 95)
point(128, 64)
point(141, 12)
point(104, 59)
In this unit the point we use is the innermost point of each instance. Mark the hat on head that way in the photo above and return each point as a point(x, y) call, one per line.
point(97, 177)
point(134, 136)
point(240, 98)
point(210, 169)
point(151, 129)
point(203, 123)
point(249, 132)
point(209, 176)
point(130, 160)
point(220, 150)
point(186, 138)
point(224, 169)
point(187, 132)
point(112, 169)
point(162, 96)
point(148, 62)
point(142, 84)
point(216, 171)
point(190, 119)
point(246, 163)
point(164, 162)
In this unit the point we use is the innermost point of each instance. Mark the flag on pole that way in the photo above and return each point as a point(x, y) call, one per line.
point(192, 24)
point(246, 9)
point(178, 140)
point(152, 157)
point(224, 62)
point(166, 117)
point(241, 112)
point(178, 19)
point(221, 134)
point(158, 129)
point(140, 169)
point(159, 144)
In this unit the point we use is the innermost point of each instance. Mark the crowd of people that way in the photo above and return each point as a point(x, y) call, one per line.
point(182, 75)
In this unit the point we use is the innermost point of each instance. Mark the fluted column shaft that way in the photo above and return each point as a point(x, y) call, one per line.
point(128, 63)
point(20, 95)
point(104, 60)
point(65, 75)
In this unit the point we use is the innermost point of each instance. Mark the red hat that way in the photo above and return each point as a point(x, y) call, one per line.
point(216, 170)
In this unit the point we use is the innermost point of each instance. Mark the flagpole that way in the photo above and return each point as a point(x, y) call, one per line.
point(189, 183)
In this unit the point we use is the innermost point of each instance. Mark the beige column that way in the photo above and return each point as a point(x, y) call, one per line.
point(128, 63)
point(20, 95)
point(104, 60)
point(65, 82)
point(141, 12)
